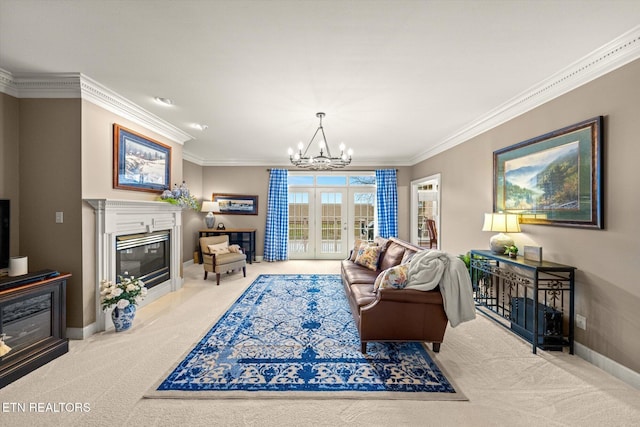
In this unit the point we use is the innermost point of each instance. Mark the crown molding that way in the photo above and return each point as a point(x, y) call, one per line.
point(603, 60)
point(279, 162)
point(77, 85)
point(6, 83)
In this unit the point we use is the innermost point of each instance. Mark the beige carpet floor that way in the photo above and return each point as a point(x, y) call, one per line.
point(108, 373)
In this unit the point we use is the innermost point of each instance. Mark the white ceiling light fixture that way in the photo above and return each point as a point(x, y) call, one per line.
point(323, 161)
point(163, 101)
point(200, 126)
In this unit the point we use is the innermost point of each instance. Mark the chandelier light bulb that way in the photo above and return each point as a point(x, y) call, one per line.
point(350, 152)
point(290, 151)
point(300, 145)
point(342, 147)
point(296, 156)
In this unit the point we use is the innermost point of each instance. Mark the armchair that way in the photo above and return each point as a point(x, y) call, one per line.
point(221, 262)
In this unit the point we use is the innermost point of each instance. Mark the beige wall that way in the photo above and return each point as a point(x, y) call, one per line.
point(9, 176)
point(50, 182)
point(192, 221)
point(97, 155)
point(607, 290)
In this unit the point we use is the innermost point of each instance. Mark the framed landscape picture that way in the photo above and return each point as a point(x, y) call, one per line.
point(553, 179)
point(236, 204)
point(140, 163)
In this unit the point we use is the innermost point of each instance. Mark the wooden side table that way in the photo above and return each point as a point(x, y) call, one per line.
point(243, 237)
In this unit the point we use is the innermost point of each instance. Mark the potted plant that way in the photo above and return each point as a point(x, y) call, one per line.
point(124, 295)
point(511, 250)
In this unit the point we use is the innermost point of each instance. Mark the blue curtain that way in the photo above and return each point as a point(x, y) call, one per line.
point(387, 202)
point(276, 236)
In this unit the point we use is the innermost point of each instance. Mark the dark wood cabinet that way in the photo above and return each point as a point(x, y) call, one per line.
point(33, 323)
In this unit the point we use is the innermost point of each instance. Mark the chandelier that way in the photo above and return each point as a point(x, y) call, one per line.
point(323, 161)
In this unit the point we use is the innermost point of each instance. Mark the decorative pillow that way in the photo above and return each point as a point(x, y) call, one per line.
point(394, 277)
point(219, 249)
point(235, 249)
point(356, 247)
point(368, 256)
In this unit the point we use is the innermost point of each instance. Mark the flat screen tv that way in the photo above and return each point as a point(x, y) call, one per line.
point(5, 215)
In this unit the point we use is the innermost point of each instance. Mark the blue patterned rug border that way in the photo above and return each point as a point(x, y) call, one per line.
point(246, 345)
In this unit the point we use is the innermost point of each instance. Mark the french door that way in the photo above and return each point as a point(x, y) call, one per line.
point(318, 223)
point(327, 213)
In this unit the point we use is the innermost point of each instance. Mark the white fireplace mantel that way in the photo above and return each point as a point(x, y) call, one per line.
point(120, 217)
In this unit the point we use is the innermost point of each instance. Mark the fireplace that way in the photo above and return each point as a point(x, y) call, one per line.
point(145, 256)
point(136, 238)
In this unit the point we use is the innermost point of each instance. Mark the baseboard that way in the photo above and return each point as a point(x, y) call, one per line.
point(610, 366)
point(82, 333)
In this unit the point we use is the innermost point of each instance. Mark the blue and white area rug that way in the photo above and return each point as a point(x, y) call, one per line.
point(293, 336)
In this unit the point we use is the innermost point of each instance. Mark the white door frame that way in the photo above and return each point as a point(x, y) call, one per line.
point(436, 180)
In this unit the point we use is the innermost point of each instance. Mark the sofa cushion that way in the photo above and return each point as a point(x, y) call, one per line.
point(363, 294)
point(368, 256)
point(392, 256)
point(354, 273)
point(394, 277)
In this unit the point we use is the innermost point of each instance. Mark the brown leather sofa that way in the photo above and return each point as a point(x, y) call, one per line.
point(391, 314)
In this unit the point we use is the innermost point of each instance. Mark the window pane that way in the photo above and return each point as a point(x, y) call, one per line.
point(333, 180)
point(362, 180)
point(300, 180)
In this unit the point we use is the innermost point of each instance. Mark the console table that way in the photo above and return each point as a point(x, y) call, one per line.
point(33, 322)
point(243, 237)
point(534, 299)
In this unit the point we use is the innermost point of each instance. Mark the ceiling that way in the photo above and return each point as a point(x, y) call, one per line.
point(397, 79)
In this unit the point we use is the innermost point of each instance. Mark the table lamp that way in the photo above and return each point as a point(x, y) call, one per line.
point(209, 207)
point(502, 223)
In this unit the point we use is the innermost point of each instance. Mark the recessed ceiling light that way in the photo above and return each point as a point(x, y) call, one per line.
point(199, 126)
point(163, 101)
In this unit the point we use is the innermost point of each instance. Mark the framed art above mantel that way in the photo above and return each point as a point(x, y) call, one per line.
point(553, 179)
point(140, 163)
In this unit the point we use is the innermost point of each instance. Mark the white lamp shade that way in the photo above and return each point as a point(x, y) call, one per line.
point(501, 222)
point(208, 206)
